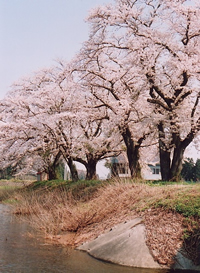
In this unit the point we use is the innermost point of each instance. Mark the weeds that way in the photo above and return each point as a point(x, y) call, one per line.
point(184, 200)
point(6, 193)
point(72, 206)
point(191, 245)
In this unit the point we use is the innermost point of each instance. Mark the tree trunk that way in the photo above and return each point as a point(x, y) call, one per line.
point(73, 169)
point(171, 165)
point(164, 164)
point(51, 173)
point(176, 166)
point(132, 154)
point(164, 155)
point(179, 150)
point(165, 161)
point(91, 168)
point(52, 167)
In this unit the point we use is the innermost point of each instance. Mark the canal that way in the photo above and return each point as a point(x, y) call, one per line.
point(22, 252)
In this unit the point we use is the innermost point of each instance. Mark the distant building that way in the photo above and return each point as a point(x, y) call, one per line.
point(67, 174)
point(152, 172)
point(120, 168)
point(42, 176)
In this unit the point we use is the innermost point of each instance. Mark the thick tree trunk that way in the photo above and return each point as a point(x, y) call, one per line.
point(171, 164)
point(91, 172)
point(91, 168)
point(177, 161)
point(73, 170)
point(90, 165)
point(164, 164)
point(132, 154)
point(52, 167)
point(51, 173)
point(165, 161)
point(176, 166)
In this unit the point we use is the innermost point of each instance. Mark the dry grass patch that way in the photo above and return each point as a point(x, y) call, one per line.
point(60, 208)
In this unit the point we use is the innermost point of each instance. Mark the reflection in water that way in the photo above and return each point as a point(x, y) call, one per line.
point(23, 254)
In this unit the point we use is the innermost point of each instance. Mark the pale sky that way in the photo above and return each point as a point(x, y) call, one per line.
point(36, 33)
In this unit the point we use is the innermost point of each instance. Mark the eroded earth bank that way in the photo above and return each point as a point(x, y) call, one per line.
point(124, 222)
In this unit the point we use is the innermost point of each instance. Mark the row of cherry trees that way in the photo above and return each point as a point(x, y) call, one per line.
point(135, 83)
point(49, 117)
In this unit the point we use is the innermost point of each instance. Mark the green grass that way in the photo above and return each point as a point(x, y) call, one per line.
point(83, 189)
point(186, 202)
point(188, 206)
point(52, 184)
point(49, 184)
point(183, 205)
point(165, 183)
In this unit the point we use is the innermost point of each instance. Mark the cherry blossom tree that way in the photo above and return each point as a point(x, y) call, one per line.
point(48, 117)
point(136, 77)
point(98, 141)
point(24, 143)
point(38, 106)
point(108, 71)
point(154, 50)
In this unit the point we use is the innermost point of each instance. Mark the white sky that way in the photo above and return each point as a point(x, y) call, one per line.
point(36, 33)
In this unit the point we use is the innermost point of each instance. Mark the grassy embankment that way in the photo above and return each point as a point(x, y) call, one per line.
point(72, 213)
point(8, 188)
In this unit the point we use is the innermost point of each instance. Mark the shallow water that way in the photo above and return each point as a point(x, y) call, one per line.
point(22, 253)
